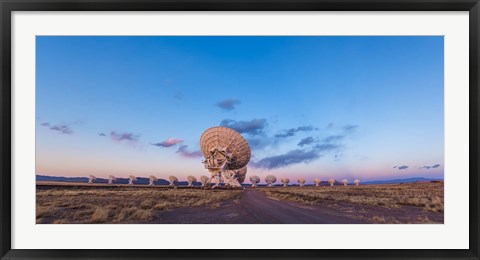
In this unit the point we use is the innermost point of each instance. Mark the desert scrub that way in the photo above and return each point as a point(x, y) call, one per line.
point(126, 214)
point(100, 215)
point(161, 206)
point(424, 220)
point(142, 215)
point(428, 196)
point(129, 215)
point(148, 204)
point(61, 221)
point(43, 212)
point(121, 204)
point(384, 220)
point(435, 204)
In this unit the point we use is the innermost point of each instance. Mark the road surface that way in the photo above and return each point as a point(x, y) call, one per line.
point(267, 210)
point(254, 207)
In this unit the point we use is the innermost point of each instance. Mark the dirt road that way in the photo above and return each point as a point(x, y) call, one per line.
point(267, 210)
point(254, 207)
point(141, 204)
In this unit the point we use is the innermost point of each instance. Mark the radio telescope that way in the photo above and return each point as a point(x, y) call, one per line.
point(151, 180)
point(254, 179)
point(131, 179)
point(270, 180)
point(173, 180)
point(111, 178)
point(240, 174)
point(285, 181)
point(226, 153)
point(331, 181)
point(301, 182)
point(204, 180)
point(191, 179)
point(91, 178)
point(316, 181)
point(357, 181)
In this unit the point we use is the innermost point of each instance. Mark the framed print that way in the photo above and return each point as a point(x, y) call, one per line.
point(141, 129)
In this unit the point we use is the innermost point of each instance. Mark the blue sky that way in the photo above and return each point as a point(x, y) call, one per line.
point(341, 107)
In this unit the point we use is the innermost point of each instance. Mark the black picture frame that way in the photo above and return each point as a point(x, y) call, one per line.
point(8, 6)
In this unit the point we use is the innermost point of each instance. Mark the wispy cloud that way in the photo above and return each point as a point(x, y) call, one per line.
point(259, 142)
point(294, 157)
point(350, 128)
point(178, 95)
point(289, 158)
point(61, 128)
point(327, 140)
point(333, 138)
point(306, 141)
point(427, 167)
point(102, 134)
point(168, 143)
point(252, 127)
point(293, 131)
point(183, 151)
point(228, 104)
point(403, 167)
point(119, 137)
point(311, 148)
point(326, 147)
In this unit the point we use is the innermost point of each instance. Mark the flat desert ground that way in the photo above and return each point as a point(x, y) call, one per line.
point(81, 203)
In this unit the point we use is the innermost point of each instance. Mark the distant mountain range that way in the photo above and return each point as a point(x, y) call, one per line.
point(407, 180)
point(141, 180)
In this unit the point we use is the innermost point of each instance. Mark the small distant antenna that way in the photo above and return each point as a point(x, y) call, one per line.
point(270, 180)
point(131, 179)
point(204, 180)
point(285, 181)
point(173, 180)
point(91, 178)
point(331, 181)
point(111, 179)
point(151, 180)
point(301, 182)
point(254, 179)
point(191, 179)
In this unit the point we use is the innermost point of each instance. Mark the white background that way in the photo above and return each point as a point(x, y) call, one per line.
point(452, 234)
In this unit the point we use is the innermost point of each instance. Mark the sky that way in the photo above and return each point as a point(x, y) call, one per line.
point(355, 107)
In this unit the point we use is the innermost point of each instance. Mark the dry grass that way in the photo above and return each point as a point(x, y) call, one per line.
point(424, 220)
point(384, 220)
point(148, 204)
point(83, 214)
point(143, 215)
point(100, 215)
point(64, 204)
point(60, 221)
point(428, 196)
point(45, 211)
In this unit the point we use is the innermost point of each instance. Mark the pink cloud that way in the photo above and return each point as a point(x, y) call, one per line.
point(118, 137)
point(169, 142)
point(182, 150)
